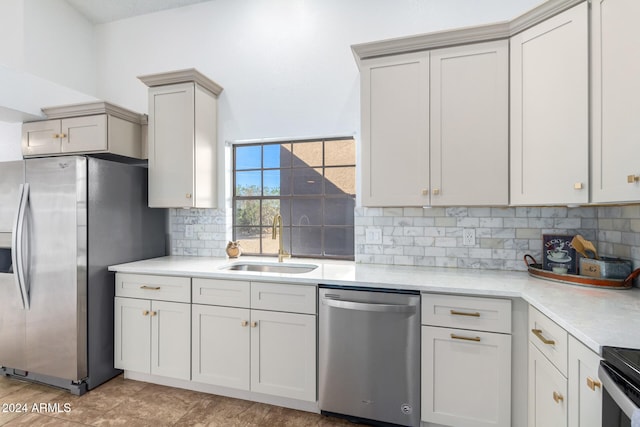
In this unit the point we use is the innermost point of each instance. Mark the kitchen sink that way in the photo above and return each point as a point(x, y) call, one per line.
point(261, 267)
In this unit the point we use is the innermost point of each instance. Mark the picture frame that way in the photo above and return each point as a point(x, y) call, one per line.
point(558, 255)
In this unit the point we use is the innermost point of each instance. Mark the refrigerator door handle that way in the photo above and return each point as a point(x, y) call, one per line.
point(17, 251)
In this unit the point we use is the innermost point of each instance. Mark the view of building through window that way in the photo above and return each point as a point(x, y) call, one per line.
point(310, 183)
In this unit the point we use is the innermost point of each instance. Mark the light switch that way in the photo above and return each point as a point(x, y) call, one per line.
point(373, 236)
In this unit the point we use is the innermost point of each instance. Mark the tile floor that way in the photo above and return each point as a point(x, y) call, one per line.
point(122, 402)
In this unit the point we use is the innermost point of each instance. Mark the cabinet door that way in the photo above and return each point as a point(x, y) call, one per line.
point(550, 111)
point(283, 354)
point(82, 134)
point(395, 130)
point(470, 124)
point(221, 339)
point(41, 138)
point(171, 145)
point(133, 334)
point(171, 339)
point(466, 377)
point(585, 389)
point(547, 392)
point(616, 90)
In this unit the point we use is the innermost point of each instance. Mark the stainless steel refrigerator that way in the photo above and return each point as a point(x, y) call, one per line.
point(63, 220)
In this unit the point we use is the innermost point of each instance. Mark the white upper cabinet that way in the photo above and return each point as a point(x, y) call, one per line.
point(550, 111)
point(435, 127)
point(182, 139)
point(616, 90)
point(470, 124)
point(395, 130)
point(95, 127)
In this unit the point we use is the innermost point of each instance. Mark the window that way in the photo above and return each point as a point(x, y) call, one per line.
point(310, 183)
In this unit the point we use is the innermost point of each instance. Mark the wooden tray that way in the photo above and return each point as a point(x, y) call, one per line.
point(535, 270)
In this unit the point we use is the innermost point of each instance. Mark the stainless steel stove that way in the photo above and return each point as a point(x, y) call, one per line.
point(620, 375)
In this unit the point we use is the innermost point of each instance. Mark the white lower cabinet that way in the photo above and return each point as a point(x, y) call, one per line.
point(267, 350)
point(547, 392)
point(466, 373)
point(564, 388)
point(585, 388)
point(221, 339)
point(153, 337)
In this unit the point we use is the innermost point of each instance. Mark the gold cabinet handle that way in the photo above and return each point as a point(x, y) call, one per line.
point(188, 195)
point(633, 178)
point(557, 397)
point(154, 313)
point(56, 135)
point(62, 135)
point(145, 313)
point(244, 323)
point(593, 384)
point(254, 324)
point(459, 337)
point(436, 191)
point(577, 186)
point(150, 288)
point(538, 333)
point(425, 191)
point(464, 313)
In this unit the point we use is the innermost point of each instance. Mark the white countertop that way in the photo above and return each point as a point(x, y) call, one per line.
point(596, 317)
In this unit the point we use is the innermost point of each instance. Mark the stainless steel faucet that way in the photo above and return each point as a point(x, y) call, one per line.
point(277, 227)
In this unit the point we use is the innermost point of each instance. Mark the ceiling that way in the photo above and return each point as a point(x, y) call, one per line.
point(101, 11)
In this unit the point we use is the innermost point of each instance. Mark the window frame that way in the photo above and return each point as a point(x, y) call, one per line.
point(290, 198)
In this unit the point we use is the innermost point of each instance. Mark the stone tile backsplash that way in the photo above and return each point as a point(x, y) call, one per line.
point(433, 237)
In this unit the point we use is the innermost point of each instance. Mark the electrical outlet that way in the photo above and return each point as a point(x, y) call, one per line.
point(373, 236)
point(469, 237)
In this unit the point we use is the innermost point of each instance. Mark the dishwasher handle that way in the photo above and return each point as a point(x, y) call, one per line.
point(624, 403)
point(363, 306)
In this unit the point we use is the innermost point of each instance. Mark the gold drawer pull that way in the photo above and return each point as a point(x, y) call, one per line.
point(538, 333)
point(463, 313)
point(254, 324)
point(558, 397)
point(633, 178)
point(145, 313)
point(458, 337)
point(154, 313)
point(150, 288)
point(244, 323)
point(592, 384)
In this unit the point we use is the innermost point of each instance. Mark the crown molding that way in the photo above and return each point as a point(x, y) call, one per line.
point(93, 108)
point(182, 76)
point(465, 35)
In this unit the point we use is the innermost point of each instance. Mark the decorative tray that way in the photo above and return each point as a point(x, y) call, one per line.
point(535, 270)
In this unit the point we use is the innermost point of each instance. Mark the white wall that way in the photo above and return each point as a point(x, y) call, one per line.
point(10, 141)
point(286, 65)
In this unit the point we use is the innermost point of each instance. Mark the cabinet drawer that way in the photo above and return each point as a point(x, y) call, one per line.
point(281, 297)
point(166, 288)
point(549, 338)
point(462, 312)
point(230, 293)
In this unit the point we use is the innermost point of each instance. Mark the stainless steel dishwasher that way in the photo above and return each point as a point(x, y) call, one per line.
point(369, 354)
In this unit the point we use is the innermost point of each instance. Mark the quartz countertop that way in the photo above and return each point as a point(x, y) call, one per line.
point(596, 317)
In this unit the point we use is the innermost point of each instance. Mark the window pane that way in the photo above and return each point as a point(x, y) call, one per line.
point(248, 157)
point(337, 153)
point(269, 244)
point(307, 181)
point(248, 183)
point(307, 154)
point(306, 212)
point(249, 238)
point(277, 156)
point(340, 180)
point(270, 207)
point(307, 240)
point(272, 182)
point(338, 241)
point(339, 211)
point(247, 212)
